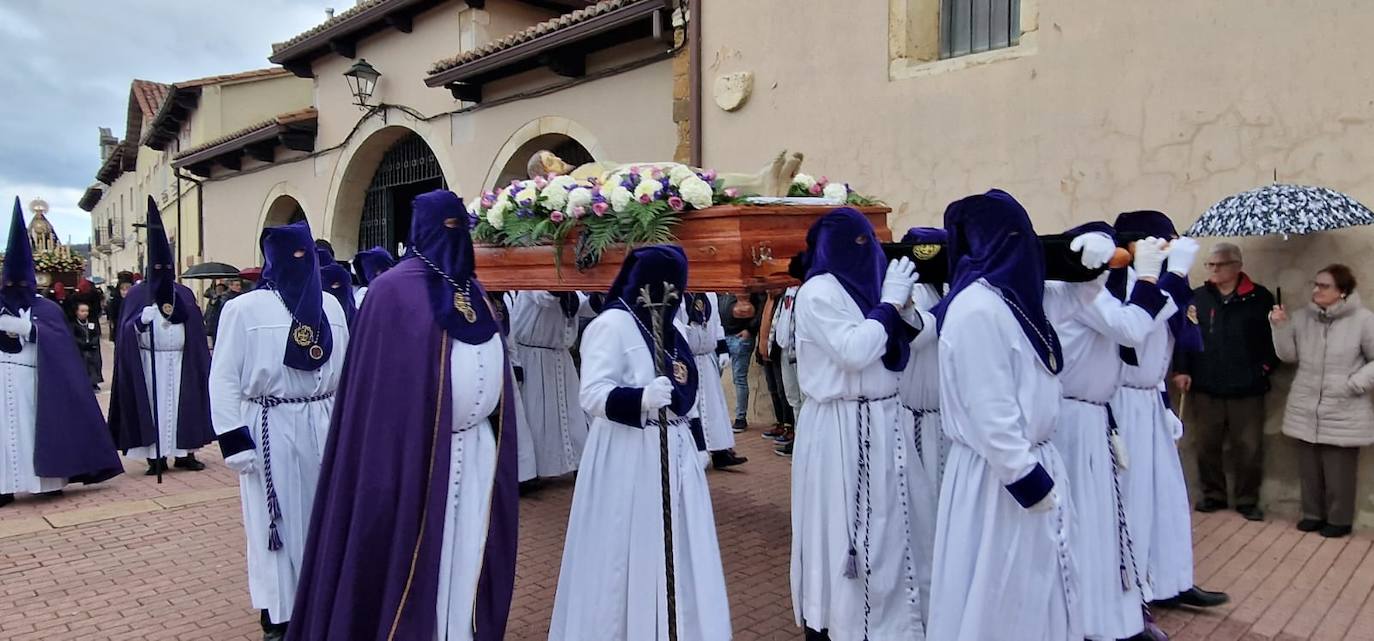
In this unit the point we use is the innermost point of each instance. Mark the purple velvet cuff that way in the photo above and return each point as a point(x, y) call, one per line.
point(1032, 488)
point(722, 347)
point(1177, 288)
point(899, 336)
point(235, 441)
point(623, 406)
point(1146, 295)
point(698, 434)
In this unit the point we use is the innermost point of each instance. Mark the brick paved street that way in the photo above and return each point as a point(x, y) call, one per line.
point(132, 560)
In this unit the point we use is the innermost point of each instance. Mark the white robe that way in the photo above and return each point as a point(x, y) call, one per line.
point(919, 389)
point(543, 335)
point(1157, 507)
point(715, 414)
point(784, 333)
point(19, 422)
point(477, 375)
point(170, 342)
point(887, 519)
point(1001, 570)
point(253, 332)
point(611, 586)
point(527, 468)
point(1092, 373)
point(358, 294)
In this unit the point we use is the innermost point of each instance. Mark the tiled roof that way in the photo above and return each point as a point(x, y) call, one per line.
point(148, 95)
point(339, 18)
point(288, 118)
point(164, 106)
point(542, 29)
point(255, 74)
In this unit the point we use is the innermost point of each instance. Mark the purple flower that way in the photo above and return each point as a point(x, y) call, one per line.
point(676, 203)
point(709, 176)
point(634, 171)
point(600, 207)
point(556, 216)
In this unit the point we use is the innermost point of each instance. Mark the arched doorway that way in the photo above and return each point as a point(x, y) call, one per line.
point(284, 211)
point(562, 145)
point(407, 169)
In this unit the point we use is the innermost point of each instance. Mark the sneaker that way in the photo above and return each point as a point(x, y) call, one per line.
point(786, 438)
point(740, 425)
point(1207, 506)
point(1335, 531)
point(1311, 525)
point(784, 451)
point(778, 430)
point(1251, 512)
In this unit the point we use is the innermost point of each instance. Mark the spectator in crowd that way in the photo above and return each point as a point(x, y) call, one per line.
point(116, 304)
point(87, 333)
point(1228, 380)
point(1329, 412)
point(88, 293)
point(741, 316)
point(770, 357)
point(233, 288)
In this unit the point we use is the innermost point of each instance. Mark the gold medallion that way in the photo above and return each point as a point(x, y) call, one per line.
point(303, 335)
point(316, 352)
point(1192, 314)
point(166, 309)
point(925, 251)
point(701, 306)
point(680, 372)
point(464, 306)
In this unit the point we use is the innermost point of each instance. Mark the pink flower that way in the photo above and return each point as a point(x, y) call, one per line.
point(656, 173)
point(556, 216)
point(816, 189)
point(676, 203)
point(823, 181)
point(600, 209)
point(634, 171)
point(731, 192)
point(540, 182)
point(709, 176)
point(646, 198)
point(579, 211)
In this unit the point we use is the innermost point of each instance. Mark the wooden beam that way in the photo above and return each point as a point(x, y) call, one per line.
point(477, 4)
point(402, 22)
point(569, 63)
point(299, 68)
point(298, 140)
point(345, 48)
point(201, 169)
point(263, 152)
point(466, 92)
point(232, 161)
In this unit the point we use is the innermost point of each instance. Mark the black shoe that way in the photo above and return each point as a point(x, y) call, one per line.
point(188, 462)
point(155, 466)
point(1335, 531)
point(6, 499)
point(272, 631)
point(1251, 512)
point(784, 451)
point(1311, 525)
point(740, 425)
point(1207, 506)
point(1198, 598)
point(531, 486)
point(726, 458)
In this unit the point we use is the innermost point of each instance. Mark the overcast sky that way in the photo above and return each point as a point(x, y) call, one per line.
point(65, 68)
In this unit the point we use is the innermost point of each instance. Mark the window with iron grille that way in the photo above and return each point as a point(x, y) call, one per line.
point(973, 26)
point(407, 170)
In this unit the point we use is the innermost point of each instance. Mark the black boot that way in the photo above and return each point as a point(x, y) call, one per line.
point(531, 486)
point(722, 459)
point(272, 631)
point(52, 494)
point(188, 462)
point(813, 635)
point(156, 465)
point(6, 499)
point(1195, 597)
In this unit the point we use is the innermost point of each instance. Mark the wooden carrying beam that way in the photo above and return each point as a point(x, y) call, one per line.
point(729, 248)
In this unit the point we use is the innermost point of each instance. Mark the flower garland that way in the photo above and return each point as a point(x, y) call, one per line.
point(804, 185)
point(57, 263)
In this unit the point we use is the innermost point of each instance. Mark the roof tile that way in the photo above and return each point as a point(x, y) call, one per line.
point(544, 28)
point(290, 117)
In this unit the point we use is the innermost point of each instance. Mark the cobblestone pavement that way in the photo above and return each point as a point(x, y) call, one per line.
point(133, 560)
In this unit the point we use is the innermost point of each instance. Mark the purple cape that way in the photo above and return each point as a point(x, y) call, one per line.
point(371, 569)
point(71, 440)
point(131, 417)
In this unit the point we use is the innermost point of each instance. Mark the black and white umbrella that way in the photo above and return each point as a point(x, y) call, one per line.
point(1281, 209)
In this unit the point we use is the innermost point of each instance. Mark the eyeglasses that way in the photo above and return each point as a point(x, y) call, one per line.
point(1322, 286)
point(1219, 265)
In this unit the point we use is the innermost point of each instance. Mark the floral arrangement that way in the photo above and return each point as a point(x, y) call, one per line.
point(804, 185)
point(641, 205)
point(57, 262)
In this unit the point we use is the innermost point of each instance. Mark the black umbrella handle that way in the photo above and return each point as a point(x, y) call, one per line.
point(1278, 295)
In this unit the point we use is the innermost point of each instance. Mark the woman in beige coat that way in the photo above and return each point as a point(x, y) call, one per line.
point(1329, 412)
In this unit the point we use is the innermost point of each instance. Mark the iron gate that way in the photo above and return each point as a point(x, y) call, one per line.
point(407, 170)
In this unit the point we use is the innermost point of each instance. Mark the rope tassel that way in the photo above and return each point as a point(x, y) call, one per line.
point(274, 541)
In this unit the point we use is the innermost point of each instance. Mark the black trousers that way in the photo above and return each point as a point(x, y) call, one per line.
point(772, 373)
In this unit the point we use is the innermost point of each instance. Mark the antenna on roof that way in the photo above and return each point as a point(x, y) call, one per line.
point(329, 13)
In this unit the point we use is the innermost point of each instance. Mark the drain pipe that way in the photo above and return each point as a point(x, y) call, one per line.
point(200, 211)
point(694, 78)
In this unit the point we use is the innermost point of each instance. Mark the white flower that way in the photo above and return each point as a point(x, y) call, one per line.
point(649, 187)
point(579, 197)
point(805, 181)
point(696, 192)
point(620, 198)
point(528, 195)
point(836, 191)
point(555, 197)
point(496, 216)
point(680, 173)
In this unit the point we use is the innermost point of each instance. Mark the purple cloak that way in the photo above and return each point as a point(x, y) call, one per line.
point(71, 440)
point(131, 417)
point(372, 559)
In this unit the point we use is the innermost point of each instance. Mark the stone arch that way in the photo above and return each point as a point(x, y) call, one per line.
point(279, 207)
point(354, 171)
point(540, 133)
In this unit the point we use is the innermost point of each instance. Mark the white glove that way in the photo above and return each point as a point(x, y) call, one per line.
point(1096, 248)
point(242, 462)
point(1048, 503)
point(1175, 425)
point(1149, 257)
point(15, 325)
point(724, 361)
point(657, 394)
point(1182, 254)
point(897, 284)
point(148, 315)
point(704, 458)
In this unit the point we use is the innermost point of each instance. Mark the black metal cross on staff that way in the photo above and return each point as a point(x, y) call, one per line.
point(669, 301)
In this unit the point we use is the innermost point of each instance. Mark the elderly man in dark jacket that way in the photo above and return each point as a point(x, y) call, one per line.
point(1228, 380)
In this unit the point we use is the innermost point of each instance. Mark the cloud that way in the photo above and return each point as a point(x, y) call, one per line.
point(67, 71)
